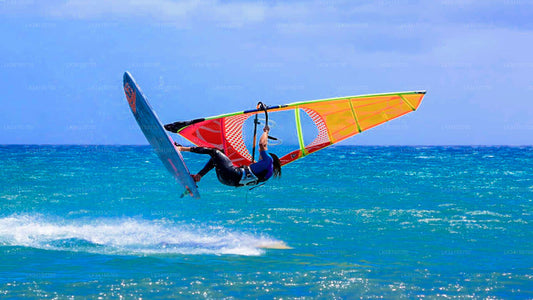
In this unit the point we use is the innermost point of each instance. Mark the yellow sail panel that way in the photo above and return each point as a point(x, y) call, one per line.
point(338, 116)
point(379, 110)
point(345, 117)
point(413, 100)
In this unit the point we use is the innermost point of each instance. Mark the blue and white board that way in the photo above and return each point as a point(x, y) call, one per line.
point(157, 136)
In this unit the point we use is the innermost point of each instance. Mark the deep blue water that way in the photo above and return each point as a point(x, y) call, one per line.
point(392, 222)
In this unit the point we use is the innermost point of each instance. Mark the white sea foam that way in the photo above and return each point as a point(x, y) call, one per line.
point(486, 213)
point(127, 236)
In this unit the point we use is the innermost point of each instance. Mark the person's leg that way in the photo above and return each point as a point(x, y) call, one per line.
point(218, 158)
point(226, 172)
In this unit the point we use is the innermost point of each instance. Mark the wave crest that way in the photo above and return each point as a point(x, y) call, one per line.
point(128, 236)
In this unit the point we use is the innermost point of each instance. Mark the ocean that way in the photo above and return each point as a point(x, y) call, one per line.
point(343, 223)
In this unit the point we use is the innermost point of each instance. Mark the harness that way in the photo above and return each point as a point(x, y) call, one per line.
point(248, 177)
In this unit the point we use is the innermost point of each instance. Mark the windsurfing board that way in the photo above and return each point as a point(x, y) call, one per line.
point(157, 136)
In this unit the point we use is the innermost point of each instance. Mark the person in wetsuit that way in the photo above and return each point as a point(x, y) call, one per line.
point(268, 165)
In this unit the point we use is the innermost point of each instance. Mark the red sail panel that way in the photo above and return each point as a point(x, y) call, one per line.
point(224, 134)
point(233, 135)
point(206, 134)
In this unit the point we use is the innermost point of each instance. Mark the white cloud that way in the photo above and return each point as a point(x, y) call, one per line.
point(294, 15)
point(157, 10)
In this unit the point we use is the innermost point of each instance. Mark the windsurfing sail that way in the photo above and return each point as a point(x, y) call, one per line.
point(327, 121)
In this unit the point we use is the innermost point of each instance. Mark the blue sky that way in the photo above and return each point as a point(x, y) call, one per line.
point(61, 64)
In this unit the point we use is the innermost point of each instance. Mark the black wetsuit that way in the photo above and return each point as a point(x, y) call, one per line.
point(230, 175)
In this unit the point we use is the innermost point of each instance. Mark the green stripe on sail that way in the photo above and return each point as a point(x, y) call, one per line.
point(355, 117)
point(299, 130)
point(355, 97)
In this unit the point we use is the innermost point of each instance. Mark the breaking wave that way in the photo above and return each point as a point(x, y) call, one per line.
point(128, 236)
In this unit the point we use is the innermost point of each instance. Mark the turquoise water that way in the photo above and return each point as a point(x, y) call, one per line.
point(107, 221)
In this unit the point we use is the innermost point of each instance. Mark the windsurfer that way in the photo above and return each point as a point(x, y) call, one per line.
point(268, 165)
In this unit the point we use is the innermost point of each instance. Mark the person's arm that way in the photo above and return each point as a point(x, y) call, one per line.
point(263, 141)
point(208, 167)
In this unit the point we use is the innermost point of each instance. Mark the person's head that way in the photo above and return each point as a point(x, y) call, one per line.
point(277, 165)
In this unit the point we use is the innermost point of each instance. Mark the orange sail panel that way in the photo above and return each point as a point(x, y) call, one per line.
point(333, 119)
